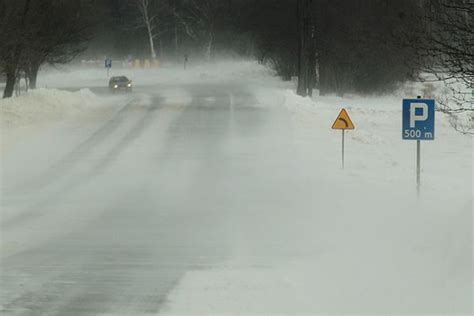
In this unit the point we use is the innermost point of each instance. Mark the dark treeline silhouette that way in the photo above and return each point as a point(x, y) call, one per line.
point(337, 46)
point(36, 32)
point(356, 47)
point(444, 45)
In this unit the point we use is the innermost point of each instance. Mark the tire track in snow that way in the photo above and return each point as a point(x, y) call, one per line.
point(61, 167)
point(108, 268)
point(134, 133)
point(74, 298)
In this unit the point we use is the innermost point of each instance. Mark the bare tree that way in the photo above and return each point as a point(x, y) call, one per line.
point(200, 19)
point(448, 48)
point(38, 32)
point(148, 20)
point(12, 47)
point(55, 40)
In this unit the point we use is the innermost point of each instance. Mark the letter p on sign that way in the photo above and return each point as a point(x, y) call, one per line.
point(418, 113)
point(418, 119)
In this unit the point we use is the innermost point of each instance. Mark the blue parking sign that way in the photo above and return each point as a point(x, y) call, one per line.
point(108, 63)
point(418, 119)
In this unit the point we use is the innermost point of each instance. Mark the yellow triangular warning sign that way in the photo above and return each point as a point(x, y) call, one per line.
point(343, 121)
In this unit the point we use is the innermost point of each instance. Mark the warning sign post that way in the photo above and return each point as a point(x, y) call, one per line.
point(343, 122)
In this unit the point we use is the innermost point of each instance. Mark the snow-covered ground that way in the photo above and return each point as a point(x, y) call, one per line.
point(364, 243)
point(42, 110)
point(239, 180)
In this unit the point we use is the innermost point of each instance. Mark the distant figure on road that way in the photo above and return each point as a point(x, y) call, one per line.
point(185, 60)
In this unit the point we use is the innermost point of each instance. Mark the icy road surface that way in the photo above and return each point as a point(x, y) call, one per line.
point(199, 199)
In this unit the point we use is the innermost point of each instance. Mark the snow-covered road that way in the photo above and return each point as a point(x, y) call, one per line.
point(113, 225)
point(201, 198)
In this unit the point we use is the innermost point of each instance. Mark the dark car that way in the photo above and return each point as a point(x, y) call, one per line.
point(120, 83)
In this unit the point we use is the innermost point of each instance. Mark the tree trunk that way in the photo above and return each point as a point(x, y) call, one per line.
point(324, 87)
point(306, 48)
point(10, 85)
point(152, 42)
point(302, 65)
point(13, 64)
point(176, 40)
point(210, 44)
point(32, 75)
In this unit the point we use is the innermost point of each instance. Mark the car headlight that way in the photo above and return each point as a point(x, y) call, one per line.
point(129, 85)
point(116, 86)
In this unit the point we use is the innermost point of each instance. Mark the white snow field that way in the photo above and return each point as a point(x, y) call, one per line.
point(218, 191)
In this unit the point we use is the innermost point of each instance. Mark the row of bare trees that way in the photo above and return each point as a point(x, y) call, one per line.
point(338, 46)
point(34, 32)
point(352, 47)
point(366, 46)
point(196, 20)
point(447, 49)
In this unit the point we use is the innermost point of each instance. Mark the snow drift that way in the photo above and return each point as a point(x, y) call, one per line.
point(44, 105)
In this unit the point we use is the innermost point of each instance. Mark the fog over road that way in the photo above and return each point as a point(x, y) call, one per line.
point(112, 225)
point(207, 195)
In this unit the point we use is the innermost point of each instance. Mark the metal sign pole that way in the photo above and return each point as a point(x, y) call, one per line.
point(343, 122)
point(343, 134)
point(108, 65)
point(418, 166)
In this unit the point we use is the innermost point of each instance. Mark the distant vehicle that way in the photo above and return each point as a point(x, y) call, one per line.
point(120, 83)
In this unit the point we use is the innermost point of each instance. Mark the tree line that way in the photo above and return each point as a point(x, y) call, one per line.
point(367, 46)
point(36, 32)
point(336, 46)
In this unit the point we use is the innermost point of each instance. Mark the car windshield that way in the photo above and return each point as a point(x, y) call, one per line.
point(120, 79)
